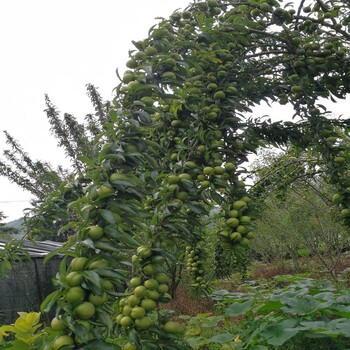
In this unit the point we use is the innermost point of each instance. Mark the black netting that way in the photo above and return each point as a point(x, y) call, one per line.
point(28, 284)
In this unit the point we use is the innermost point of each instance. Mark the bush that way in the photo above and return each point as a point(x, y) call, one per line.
point(294, 312)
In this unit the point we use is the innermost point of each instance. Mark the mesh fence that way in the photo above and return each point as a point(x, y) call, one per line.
point(27, 285)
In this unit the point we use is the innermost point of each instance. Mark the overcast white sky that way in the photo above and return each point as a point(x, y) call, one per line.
point(57, 47)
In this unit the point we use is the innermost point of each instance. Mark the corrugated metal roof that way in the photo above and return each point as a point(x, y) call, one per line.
point(36, 249)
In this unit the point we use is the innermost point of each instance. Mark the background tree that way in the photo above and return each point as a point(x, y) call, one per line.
point(296, 216)
point(5, 231)
point(53, 189)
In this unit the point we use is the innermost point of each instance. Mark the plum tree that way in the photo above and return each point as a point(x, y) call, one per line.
point(178, 138)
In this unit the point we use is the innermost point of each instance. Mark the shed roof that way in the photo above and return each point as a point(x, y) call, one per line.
point(36, 249)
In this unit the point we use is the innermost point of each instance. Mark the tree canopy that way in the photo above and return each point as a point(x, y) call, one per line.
point(177, 134)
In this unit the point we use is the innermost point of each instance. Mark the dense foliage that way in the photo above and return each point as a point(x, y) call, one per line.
point(173, 146)
point(292, 312)
point(54, 188)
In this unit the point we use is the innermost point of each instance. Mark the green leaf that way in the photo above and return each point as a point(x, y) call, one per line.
point(277, 334)
point(123, 183)
point(314, 326)
point(50, 301)
point(113, 274)
point(63, 266)
point(326, 296)
point(105, 246)
point(81, 332)
point(237, 309)
point(194, 342)
point(210, 322)
point(107, 215)
point(270, 305)
point(8, 264)
point(216, 197)
point(113, 115)
point(92, 276)
point(303, 306)
point(20, 345)
point(221, 338)
point(125, 207)
point(341, 326)
point(64, 249)
point(100, 345)
point(342, 310)
point(122, 236)
point(196, 207)
point(129, 240)
point(105, 319)
point(86, 160)
point(150, 160)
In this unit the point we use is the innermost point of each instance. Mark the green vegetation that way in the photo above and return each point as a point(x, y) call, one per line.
point(292, 312)
point(172, 151)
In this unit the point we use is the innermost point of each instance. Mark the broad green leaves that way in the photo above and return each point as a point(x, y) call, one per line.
point(304, 309)
point(237, 309)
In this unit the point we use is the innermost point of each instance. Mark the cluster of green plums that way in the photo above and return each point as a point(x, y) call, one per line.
point(198, 177)
point(80, 299)
point(237, 228)
point(195, 266)
point(146, 290)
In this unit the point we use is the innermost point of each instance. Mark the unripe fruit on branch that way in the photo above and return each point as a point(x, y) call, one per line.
point(241, 229)
point(78, 264)
point(153, 294)
point(244, 219)
point(75, 295)
point(172, 327)
point(233, 213)
point(163, 288)
point(162, 278)
point(239, 204)
point(149, 270)
point(151, 284)
point(144, 252)
point(129, 346)
point(126, 321)
point(185, 176)
point(245, 242)
point(143, 323)
point(148, 304)
point(95, 232)
point(337, 198)
point(57, 324)
point(98, 300)
point(135, 282)
point(345, 213)
point(138, 312)
point(85, 310)
point(140, 291)
point(74, 279)
point(133, 300)
point(98, 264)
point(230, 167)
point(232, 222)
point(173, 179)
point(61, 341)
point(236, 236)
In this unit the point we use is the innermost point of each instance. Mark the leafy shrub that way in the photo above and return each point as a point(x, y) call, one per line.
point(13, 252)
point(24, 332)
point(297, 313)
